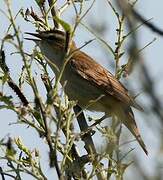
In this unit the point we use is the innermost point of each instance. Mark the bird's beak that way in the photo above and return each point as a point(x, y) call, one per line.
point(35, 35)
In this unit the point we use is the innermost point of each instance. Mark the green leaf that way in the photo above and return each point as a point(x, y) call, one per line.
point(4, 78)
point(7, 100)
point(64, 24)
point(40, 2)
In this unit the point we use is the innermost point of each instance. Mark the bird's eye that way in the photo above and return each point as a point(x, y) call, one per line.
point(58, 38)
point(52, 37)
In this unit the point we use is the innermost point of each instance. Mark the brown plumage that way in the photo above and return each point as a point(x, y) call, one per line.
point(98, 76)
point(87, 80)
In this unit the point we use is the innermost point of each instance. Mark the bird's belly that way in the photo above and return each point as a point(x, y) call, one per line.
point(87, 95)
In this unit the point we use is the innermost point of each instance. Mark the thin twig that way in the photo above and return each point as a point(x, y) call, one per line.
point(2, 174)
point(129, 10)
point(10, 82)
point(53, 12)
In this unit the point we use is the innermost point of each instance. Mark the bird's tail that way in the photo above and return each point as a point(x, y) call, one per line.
point(129, 121)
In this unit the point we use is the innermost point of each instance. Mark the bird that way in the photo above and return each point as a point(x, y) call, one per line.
point(87, 81)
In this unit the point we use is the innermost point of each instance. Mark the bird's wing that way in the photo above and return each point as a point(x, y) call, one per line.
point(93, 72)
